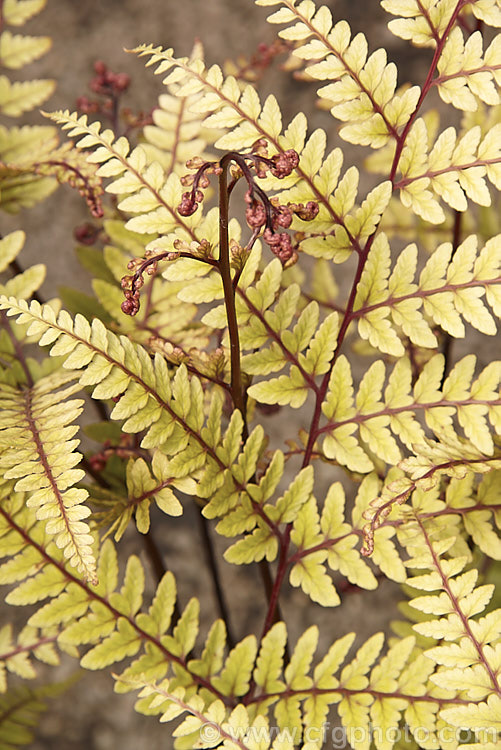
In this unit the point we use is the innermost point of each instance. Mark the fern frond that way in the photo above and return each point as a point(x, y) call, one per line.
point(454, 457)
point(37, 421)
point(464, 74)
point(23, 145)
point(262, 542)
point(118, 368)
point(286, 346)
point(10, 246)
point(98, 615)
point(207, 720)
point(341, 225)
point(169, 140)
point(364, 94)
point(145, 484)
point(64, 163)
point(448, 288)
point(17, 50)
point(170, 409)
point(365, 97)
point(478, 511)
point(17, 12)
point(176, 133)
point(453, 171)
point(466, 645)
point(420, 436)
point(224, 100)
point(330, 540)
point(20, 711)
point(70, 167)
point(26, 283)
point(368, 691)
point(15, 654)
point(149, 193)
point(239, 111)
point(397, 413)
point(23, 96)
point(19, 148)
point(459, 505)
point(424, 24)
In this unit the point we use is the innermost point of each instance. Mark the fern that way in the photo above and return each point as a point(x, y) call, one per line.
point(29, 155)
point(41, 417)
point(16, 98)
point(201, 322)
point(20, 709)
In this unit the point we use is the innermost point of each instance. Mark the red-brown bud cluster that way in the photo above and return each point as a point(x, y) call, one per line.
point(132, 283)
point(130, 306)
point(87, 106)
point(261, 213)
point(261, 165)
point(123, 450)
point(255, 213)
point(252, 69)
point(282, 216)
point(110, 86)
point(269, 213)
point(189, 202)
point(131, 286)
point(280, 245)
point(107, 83)
point(284, 163)
point(196, 162)
point(86, 234)
point(97, 462)
point(266, 53)
point(305, 213)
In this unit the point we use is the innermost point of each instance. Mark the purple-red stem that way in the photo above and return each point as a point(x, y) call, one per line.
point(237, 393)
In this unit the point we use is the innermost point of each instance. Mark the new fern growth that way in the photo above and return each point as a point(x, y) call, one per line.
point(203, 322)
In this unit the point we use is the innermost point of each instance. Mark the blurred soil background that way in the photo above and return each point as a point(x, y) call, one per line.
point(89, 715)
